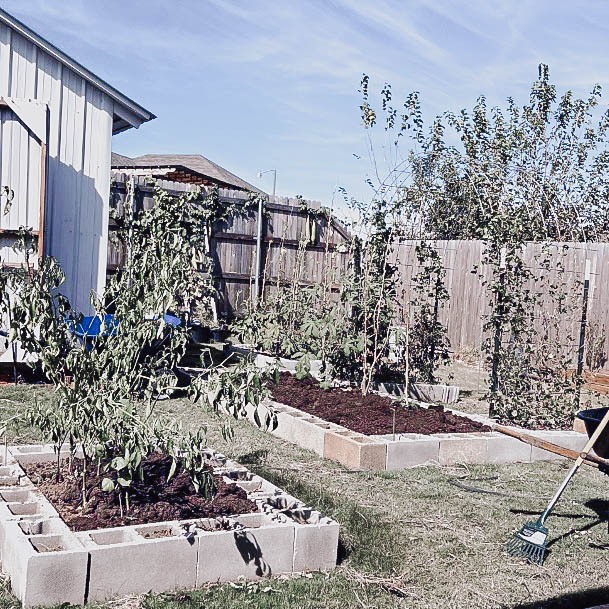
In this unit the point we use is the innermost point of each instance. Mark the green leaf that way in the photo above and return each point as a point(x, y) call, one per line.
point(107, 485)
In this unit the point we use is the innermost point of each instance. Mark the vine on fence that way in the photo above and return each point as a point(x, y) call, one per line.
point(536, 173)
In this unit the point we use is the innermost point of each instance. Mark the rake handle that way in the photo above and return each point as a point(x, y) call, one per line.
point(589, 459)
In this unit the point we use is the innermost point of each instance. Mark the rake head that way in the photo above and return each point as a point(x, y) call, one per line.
point(530, 543)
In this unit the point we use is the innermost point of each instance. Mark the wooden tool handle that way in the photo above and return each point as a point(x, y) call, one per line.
point(590, 459)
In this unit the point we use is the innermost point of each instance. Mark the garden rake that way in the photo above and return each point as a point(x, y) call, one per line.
point(531, 541)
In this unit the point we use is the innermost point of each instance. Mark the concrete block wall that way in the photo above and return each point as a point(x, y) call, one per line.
point(386, 452)
point(48, 564)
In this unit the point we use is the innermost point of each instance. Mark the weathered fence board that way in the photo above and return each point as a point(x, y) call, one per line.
point(285, 257)
point(468, 308)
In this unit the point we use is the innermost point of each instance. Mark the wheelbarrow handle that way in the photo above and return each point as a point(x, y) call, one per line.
point(589, 459)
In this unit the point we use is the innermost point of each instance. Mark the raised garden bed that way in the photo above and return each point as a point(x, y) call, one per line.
point(49, 562)
point(372, 414)
point(388, 451)
point(155, 501)
point(446, 394)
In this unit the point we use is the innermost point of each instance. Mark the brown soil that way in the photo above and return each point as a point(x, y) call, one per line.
point(371, 414)
point(154, 500)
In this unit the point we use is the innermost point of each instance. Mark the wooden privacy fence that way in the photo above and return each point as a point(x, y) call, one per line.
point(468, 307)
point(290, 249)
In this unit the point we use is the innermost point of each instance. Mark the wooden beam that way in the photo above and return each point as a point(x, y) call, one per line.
point(43, 197)
point(273, 242)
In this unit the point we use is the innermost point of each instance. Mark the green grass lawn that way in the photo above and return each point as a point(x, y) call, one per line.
point(420, 538)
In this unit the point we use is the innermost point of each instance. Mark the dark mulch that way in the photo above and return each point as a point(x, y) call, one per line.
point(371, 414)
point(154, 500)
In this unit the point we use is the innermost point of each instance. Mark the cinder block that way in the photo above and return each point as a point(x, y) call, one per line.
point(573, 440)
point(19, 503)
point(409, 452)
point(248, 553)
point(566, 439)
point(123, 561)
point(315, 546)
point(45, 569)
point(355, 452)
point(579, 426)
point(36, 453)
point(504, 449)
point(446, 394)
point(301, 430)
point(462, 448)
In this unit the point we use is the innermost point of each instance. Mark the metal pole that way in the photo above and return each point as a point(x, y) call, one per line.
point(579, 380)
point(258, 252)
point(258, 269)
point(499, 313)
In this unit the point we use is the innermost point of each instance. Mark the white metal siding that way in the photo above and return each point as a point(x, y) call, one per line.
point(79, 152)
point(20, 167)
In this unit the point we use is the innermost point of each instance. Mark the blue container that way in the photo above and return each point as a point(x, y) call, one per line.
point(90, 326)
point(591, 418)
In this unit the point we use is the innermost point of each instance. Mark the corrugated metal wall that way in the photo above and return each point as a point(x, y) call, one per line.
point(79, 151)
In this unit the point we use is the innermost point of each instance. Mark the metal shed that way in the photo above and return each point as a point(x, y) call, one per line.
point(56, 125)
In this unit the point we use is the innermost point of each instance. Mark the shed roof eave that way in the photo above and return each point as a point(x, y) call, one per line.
point(131, 114)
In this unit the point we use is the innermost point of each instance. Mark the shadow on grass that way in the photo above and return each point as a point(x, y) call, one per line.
point(584, 599)
point(367, 538)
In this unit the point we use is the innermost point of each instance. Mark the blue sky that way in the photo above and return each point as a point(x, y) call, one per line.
point(261, 84)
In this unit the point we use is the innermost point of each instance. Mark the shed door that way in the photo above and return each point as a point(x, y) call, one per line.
point(23, 137)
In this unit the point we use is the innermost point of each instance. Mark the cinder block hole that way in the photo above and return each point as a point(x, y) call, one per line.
point(284, 502)
point(9, 480)
point(240, 475)
point(41, 527)
point(107, 538)
point(251, 521)
point(16, 496)
point(49, 543)
point(343, 433)
point(26, 508)
point(34, 448)
point(158, 532)
point(251, 486)
point(303, 515)
point(214, 524)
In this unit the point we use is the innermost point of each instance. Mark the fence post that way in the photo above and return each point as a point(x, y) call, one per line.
point(579, 378)
point(257, 269)
point(498, 332)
